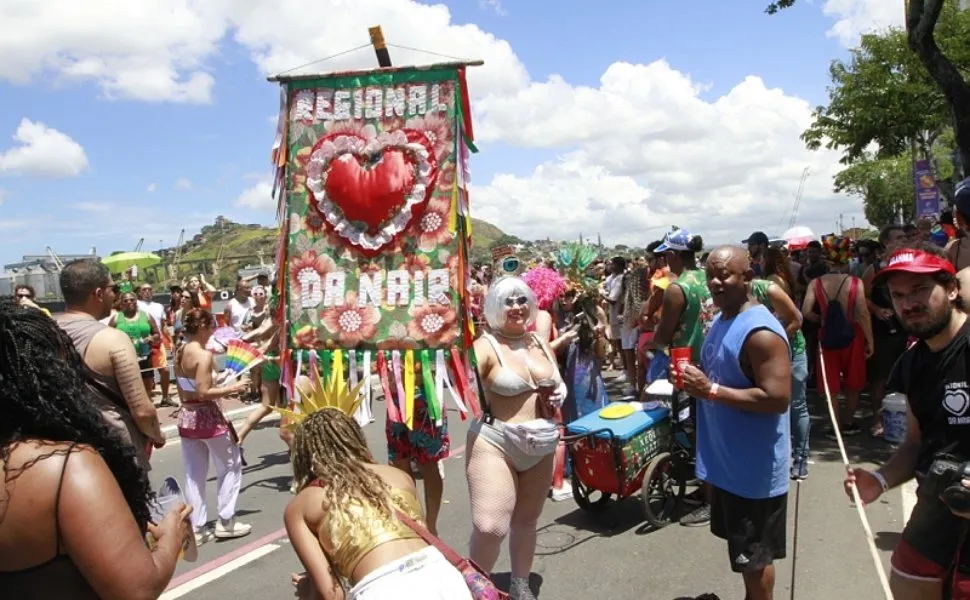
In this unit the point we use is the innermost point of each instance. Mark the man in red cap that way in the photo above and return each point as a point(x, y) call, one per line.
point(935, 376)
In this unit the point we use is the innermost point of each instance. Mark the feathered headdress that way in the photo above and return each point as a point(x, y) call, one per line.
point(546, 284)
point(322, 394)
point(573, 259)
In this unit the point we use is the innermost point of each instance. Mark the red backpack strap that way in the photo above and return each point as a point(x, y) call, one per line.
point(820, 297)
point(853, 294)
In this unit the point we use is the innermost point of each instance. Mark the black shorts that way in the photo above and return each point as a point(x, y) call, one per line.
point(756, 530)
point(931, 542)
point(145, 366)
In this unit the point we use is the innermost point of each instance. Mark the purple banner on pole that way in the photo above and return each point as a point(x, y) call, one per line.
point(927, 192)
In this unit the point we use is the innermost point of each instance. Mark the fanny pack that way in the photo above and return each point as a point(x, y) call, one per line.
point(538, 437)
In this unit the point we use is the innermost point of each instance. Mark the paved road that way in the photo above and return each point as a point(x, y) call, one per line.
point(614, 555)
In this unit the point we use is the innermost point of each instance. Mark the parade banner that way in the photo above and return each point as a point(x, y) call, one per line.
point(371, 187)
point(927, 191)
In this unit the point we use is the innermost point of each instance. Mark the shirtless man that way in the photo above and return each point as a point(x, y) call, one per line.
point(845, 368)
point(113, 374)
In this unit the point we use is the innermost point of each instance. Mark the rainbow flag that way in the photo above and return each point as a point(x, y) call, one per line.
point(242, 356)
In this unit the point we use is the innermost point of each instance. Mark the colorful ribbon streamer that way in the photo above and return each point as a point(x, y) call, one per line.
point(338, 368)
point(461, 380)
point(398, 379)
point(393, 414)
point(409, 388)
point(368, 392)
point(442, 380)
point(430, 391)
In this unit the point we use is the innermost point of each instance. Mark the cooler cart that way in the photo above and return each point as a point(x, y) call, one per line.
point(611, 455)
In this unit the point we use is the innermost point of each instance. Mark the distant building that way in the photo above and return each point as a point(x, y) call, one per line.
point(41, 272)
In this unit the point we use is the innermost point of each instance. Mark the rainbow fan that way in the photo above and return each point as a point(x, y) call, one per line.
point(241, 357)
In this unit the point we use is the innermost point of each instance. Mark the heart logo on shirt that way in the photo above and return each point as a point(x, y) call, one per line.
point(956, 401)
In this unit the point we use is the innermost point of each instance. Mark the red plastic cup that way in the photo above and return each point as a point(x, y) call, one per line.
point(679, 359)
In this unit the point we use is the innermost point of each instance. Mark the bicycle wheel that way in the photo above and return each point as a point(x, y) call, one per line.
point(587, 498)
point(662, 492)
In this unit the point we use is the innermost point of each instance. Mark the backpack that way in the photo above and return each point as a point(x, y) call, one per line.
point(837, 330)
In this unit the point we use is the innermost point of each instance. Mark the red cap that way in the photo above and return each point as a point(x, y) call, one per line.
point(908, 260)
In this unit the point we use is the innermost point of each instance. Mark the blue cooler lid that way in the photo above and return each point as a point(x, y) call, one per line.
point(623, 429)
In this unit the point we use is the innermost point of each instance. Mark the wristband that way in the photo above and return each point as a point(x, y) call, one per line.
point(882, 481)
point(712, 395)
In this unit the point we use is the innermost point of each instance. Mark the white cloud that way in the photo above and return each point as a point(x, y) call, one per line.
point(95, 207)
point(43, 152)
point(258, 197)
point(494, 6)
point(152, 187)
point(290, 33)
point(152, 50)
point(644, 151)
point(856, 17)
point(183, 184)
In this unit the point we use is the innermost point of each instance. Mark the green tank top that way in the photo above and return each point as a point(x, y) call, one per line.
point(699, 311)
point(138, 329)
point(759, 289)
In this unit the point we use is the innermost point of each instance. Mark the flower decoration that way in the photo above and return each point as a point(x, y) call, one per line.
point(306, 337)
point(433, 229)
point(434, 324)
point(351, 323)
point(439, 131)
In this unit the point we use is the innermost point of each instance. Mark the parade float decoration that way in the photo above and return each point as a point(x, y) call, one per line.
point(373, 262)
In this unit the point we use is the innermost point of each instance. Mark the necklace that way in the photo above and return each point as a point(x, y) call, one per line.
point(512, 337)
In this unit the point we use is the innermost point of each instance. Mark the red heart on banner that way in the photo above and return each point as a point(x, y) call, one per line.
point(371, 192)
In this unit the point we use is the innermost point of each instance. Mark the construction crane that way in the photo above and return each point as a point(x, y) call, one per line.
point(55, 258)
point(798, 198)
point(138, 246)
point(173, 267)
point(793, 215)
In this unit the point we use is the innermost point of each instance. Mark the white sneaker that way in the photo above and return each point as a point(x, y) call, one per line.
point(227, 530)
point(562, 493)
point(203, 535)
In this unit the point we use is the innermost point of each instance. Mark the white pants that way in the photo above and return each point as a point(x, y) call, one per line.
point(225, 456)
point(422, 575)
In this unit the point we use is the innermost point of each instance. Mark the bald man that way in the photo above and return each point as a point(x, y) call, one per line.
point(743, 429)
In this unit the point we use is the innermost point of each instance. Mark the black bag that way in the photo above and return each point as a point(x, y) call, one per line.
point(837, 330)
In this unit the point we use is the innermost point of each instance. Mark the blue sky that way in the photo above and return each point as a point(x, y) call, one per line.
point(151, 163)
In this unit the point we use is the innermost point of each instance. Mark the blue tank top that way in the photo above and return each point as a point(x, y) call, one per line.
point(745, 453)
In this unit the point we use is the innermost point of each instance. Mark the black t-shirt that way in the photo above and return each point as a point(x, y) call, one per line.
point(938, 390)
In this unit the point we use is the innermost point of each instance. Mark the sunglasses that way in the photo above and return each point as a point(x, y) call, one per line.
point(116, 289)
point(27, 296)
point(519, 301)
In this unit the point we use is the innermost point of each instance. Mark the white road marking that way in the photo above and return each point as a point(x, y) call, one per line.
point(908, 491)
point(218, 572)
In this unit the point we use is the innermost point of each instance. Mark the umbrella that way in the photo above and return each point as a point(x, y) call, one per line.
point(121, 261)
point(798, 237)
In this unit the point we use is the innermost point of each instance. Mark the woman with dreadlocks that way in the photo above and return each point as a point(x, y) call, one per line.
point(74, 507)
point(346, 522)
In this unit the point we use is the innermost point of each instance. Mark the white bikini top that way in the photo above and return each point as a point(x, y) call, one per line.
point(508, 383)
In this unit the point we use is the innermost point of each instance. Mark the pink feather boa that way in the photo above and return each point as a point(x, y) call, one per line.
point(546, 284)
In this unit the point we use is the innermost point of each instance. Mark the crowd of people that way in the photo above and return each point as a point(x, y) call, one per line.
point(758, 327)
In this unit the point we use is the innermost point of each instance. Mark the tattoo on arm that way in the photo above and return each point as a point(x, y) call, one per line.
point(128, 376)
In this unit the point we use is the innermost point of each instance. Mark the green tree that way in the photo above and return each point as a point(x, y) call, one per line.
point(884, 185)
point(882, 80)
point(505, 240)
